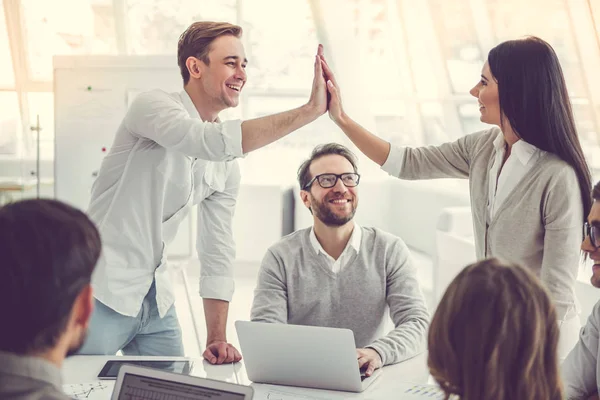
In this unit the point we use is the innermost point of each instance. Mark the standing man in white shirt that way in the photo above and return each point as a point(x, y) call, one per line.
point(170, 152)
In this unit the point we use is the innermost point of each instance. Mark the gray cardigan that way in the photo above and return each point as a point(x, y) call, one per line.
point(539, 225)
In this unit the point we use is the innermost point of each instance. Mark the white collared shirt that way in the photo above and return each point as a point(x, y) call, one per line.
point(156, 169)
point(352, 248)
point(522, 158)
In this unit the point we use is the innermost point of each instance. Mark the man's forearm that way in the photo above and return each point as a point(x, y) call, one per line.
point(215, 315)
point(259, 132)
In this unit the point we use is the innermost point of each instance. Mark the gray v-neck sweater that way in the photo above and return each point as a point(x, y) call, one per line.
point(539, 224)
point(296, 287)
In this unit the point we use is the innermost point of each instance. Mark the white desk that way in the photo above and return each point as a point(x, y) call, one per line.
point(391, 384)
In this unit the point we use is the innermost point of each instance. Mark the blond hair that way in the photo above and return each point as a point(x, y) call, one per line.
point(195, 41)
point(494, 336)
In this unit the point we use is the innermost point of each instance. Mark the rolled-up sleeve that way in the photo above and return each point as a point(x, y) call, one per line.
point(393, 164)
point(157, 116)
point(215, 243)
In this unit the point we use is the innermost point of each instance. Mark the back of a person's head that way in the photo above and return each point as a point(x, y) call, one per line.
point(49, 250)
point(494, 336)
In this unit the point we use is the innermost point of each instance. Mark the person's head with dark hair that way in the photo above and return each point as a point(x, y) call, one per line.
point(523, 91)
point(212, 61)
point(328, 180)
point(495, 335)
point(49, 251)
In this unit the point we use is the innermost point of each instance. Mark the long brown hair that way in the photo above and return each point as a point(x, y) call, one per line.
point(494, 336)
point(534, 98)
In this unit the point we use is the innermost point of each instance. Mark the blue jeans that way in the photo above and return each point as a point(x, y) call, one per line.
point(143, 335)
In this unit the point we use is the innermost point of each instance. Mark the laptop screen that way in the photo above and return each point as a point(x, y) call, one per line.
point(136, 387)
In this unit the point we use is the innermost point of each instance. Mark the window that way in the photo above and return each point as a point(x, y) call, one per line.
point(458, 41)
point(280, 51)
point(552, 23)
point(155, 26)
point(415, 61)
point(594, 7)
point(7, 76)
point(87, 28)
point(10, 124)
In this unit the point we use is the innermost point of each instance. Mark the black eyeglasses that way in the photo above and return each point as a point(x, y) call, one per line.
point(326, 181)
point(593, 231)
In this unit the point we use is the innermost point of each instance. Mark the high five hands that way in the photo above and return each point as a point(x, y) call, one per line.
point(325, 95)
point(334, 101)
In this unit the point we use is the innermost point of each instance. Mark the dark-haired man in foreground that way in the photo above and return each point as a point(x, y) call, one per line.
point(49, 250)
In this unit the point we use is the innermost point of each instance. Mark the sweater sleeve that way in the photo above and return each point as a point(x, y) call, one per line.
point(270, 295)
point(579, 370)
point(407, 309)
point(449, 160)
point(562, 219)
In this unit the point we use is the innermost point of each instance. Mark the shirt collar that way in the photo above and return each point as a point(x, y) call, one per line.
point(30, 367)
point(354, 241)
point(189, 104)
point(499, 141)
point(191, 108)
point(521, 149)
point(524, 151)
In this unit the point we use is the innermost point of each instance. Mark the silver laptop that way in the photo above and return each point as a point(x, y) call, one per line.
point(135, 382)
point(306, 356)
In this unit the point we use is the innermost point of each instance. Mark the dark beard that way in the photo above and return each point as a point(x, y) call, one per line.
point(329, 218)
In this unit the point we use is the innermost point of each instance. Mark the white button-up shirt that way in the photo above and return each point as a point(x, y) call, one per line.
point(352, 248)
point(522, 158)
point(163, 160)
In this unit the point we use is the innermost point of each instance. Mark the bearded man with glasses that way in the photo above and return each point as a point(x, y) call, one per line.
point(581, 370)
point(337, 274)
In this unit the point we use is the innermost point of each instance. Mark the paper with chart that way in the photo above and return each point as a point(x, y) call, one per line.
point(90, 390)
point(272, 392)
point(423, 392)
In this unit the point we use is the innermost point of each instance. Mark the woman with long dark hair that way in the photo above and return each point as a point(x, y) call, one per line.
point(528, 179)
point(494, 336)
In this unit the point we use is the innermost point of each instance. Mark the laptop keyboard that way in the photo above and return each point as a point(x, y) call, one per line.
point(138, 394)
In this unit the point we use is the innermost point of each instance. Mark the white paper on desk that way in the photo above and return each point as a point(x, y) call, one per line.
point(95, 390)
point(417, 392)
point(272, 392)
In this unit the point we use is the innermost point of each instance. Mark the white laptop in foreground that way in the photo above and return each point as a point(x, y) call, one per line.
point(305, 356)
point(135, 382)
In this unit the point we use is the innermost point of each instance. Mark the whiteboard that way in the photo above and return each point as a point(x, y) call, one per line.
point(91, 96)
